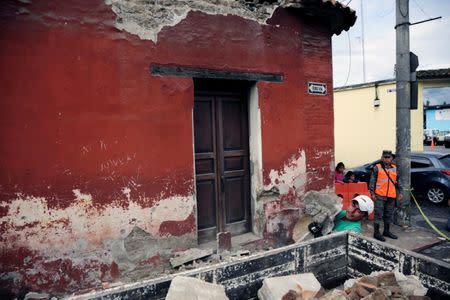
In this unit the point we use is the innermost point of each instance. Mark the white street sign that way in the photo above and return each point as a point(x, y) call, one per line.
point(317, 88)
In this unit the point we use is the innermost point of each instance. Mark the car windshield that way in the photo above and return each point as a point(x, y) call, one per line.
point(445, 160)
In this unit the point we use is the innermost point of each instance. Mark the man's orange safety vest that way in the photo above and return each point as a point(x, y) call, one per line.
point(384, 186)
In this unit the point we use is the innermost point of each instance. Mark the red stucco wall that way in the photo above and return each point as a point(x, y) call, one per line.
point(93, 145)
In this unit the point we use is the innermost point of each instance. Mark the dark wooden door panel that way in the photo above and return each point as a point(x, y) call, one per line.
point(234, 195)
point(206, 207)
point(205, 166)
point(233, 163)
point(203, 124)
point(235, 173)
point(221, 163)
point(232, 124)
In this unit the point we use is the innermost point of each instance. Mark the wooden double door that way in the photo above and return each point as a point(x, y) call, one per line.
point(221, 160)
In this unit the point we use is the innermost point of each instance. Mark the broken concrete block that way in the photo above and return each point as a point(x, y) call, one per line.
point(305, 285)
point(223, 242)
point(189, 256)
point(410, 285)
point(387, 279)
point(323, 208)
point(300, 231)
point(189, 288)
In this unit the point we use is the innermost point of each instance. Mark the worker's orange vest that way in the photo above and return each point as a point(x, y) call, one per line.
point(384, 186)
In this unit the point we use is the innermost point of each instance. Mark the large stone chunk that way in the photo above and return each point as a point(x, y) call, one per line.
point(323, 208)
point(304, 285)
point(410, 285)
point(189, 288)
point(300, 231)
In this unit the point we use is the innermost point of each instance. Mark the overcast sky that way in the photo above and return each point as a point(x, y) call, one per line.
point(430, 41)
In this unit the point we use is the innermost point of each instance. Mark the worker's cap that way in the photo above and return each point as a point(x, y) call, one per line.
point(387, 153)
point(365, 203)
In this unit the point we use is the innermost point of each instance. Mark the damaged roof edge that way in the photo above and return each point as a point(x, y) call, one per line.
point(340, 16)
point(147, 18)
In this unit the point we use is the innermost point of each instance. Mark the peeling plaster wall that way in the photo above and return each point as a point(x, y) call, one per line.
point(80, 221)
point(96, 154)
point(147, 18)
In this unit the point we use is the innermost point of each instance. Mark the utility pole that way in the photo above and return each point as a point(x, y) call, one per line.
point(403, 116)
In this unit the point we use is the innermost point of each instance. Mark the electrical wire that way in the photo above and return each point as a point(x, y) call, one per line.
point(348, 3)
point(349, 58)
point(386, 13)
point(424, 12)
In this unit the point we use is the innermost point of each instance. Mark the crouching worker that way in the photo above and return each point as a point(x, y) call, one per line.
point(350, 219)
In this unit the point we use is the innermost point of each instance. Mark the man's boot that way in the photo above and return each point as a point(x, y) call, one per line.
point(377, 234)
point(387, 233)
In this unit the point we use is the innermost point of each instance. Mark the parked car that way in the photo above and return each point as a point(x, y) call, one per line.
point(447, 141)
point(440, 139)
point(430, 175)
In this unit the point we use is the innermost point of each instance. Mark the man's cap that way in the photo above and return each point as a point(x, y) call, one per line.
point(387, 153)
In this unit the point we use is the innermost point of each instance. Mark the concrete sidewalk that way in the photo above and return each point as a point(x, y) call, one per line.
point(411, 238)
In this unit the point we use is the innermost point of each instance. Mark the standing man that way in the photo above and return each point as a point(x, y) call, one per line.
point(383, 188)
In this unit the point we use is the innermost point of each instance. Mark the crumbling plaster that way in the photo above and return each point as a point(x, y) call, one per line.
point(91, 237)
point(279, 204)
point(41, 226)
point(291, 175)
point(146, 18)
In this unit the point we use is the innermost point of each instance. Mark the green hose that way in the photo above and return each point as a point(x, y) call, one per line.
point(428, 220)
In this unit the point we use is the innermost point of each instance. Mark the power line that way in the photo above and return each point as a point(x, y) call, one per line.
point(385, 14)
point(424, 12)
point(362, 39)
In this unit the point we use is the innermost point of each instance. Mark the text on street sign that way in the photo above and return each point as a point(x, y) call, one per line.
point(317, 88)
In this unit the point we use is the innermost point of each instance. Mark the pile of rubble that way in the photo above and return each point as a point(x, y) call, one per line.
point(376, 286)
point(383, 285)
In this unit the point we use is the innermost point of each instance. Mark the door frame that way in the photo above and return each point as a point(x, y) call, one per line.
point(247, 91)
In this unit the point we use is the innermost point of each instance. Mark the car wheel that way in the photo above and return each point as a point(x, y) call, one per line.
point(437, 194)
point(447, 144)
